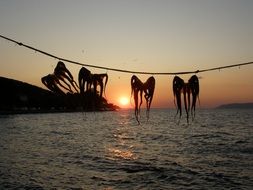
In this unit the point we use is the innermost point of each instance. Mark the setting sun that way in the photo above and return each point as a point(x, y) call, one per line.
point(124, 101)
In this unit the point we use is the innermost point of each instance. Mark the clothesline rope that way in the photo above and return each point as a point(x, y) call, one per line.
point(121, 70)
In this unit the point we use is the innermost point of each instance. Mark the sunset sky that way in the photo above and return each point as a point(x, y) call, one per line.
point(139, 35)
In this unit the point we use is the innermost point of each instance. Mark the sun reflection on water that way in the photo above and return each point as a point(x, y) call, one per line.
point(115, 153)
point(123, 145)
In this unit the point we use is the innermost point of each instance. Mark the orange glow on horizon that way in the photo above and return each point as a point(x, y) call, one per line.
point(124, 102)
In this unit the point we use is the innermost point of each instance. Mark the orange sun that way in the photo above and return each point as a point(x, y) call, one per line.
point(124, 101)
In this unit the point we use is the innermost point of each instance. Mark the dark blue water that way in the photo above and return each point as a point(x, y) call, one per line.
point(108, 150)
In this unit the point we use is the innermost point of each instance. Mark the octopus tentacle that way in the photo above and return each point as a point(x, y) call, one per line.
point(194, 86)
point(51, 81)
point(188, 89)
point(178, 85)
point(62, 73)
point(136, 87)
point(149, 87)
point(84, 77)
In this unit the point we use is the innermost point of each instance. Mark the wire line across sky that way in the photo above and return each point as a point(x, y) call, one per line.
point(122, 70)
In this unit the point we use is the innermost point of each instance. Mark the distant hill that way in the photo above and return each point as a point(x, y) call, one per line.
point(20, 97)
point(236, 106)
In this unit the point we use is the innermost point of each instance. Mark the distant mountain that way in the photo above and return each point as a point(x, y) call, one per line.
point(236, 106)
point(20, 97)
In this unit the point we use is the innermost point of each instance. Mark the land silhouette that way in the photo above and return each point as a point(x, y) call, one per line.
point(21, 97)
point(236, 106)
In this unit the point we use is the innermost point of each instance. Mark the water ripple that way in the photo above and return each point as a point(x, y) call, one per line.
point(109, 150)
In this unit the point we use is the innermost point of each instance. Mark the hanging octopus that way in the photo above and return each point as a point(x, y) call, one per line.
point(97, 79)
point(188, 89)
point(194, 87)
point(52, 82)
point(178, 85)
point(149, 88)
point(137, 88)
point(62, 73)
point(84, 77)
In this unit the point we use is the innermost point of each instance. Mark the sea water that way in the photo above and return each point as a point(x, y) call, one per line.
point(109, 150)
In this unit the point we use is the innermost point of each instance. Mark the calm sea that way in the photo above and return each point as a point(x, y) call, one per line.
point(108, 150)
